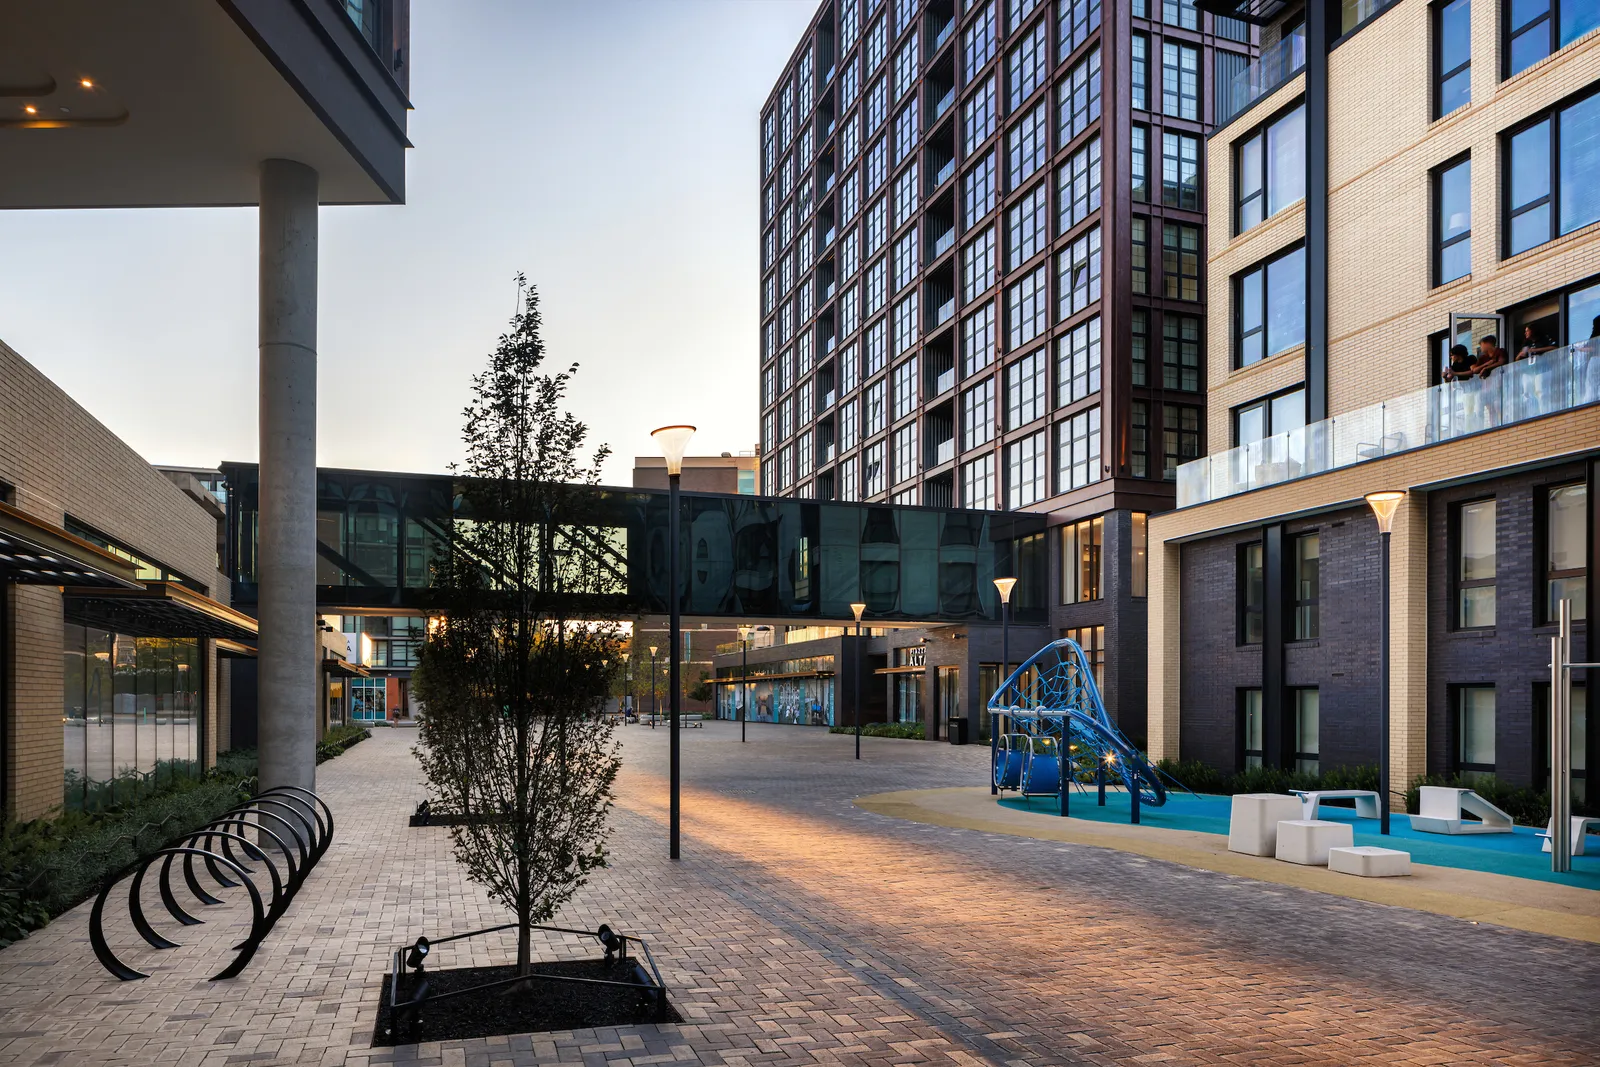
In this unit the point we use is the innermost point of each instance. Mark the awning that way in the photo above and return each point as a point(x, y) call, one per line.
point(158, 609)
point(34, 552)
point(773, 677)
point(235, 649)
point(922, 669)
point(343, 666)
point(1257, 12)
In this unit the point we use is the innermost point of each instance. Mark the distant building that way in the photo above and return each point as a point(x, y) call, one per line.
point(727, 473)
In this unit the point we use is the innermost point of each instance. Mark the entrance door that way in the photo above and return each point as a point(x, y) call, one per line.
point(947, 693)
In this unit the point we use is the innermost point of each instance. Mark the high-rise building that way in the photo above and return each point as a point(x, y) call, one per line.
point(1404, 274)
point(982, 284)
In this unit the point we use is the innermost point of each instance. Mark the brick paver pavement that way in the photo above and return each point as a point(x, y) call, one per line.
point(801, 929)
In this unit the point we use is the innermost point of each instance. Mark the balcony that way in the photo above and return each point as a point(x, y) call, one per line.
point(1557, 381)
point(941, 174)
point(941, 243)
point(826, 401)
point(827, 344)
point(825, 454)
point(940, 106)
point(944, 382)
point(1277, 65)
point(827, 237)
point(942, 452)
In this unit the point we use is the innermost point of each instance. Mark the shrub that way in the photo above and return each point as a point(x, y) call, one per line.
point(1203, 778)
point(911, 731)
point(1528, 806)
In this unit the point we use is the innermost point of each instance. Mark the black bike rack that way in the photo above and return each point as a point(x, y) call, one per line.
point(290, 821)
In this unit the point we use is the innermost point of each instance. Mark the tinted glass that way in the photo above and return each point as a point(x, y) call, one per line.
point(1579, 161)
point(1530, 180)
point(1286, 301)
point(1286, 151)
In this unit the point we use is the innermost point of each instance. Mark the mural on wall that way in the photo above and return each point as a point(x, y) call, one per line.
point(797, 701)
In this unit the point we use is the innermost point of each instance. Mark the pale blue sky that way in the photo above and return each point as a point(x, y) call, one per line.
point(608, 149)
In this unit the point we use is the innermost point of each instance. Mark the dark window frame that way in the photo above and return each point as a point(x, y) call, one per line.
point(1542, 574)
point(1244, 608)
point(1259, 130)
point(1300, 758)
point(1455, 692)
point(1551, 199)
point(1242, 751)
point(1440, 74)
point(1437, 241)
point(1297, 603)
point(1457, 584)
point(1265, 403)
point(1236, 285)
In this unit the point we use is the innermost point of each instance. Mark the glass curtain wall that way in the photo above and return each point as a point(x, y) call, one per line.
point(130, 715)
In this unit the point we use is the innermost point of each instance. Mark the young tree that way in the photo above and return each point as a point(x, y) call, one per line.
point(514, 675)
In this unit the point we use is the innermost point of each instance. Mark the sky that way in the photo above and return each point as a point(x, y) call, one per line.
point(606, 148)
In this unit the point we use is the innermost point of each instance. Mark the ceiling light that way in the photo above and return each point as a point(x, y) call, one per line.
point(30, 109)
point(86, 83)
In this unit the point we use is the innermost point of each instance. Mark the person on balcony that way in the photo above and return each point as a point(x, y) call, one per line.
point(1490, 356)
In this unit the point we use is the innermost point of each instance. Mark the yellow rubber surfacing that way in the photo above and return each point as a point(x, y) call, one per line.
point(1476, 896)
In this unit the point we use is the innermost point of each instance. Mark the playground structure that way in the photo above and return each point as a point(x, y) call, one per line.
point(1049, 733)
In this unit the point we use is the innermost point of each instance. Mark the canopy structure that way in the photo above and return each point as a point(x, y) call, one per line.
point(34, 552)
point(159, 609)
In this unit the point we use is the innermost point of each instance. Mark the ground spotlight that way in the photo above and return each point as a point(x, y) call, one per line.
point(417, 954)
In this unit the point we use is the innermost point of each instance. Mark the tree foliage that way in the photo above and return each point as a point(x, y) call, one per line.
point(512, 673)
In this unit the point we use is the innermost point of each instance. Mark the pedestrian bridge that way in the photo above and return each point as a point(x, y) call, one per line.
point(380, 534)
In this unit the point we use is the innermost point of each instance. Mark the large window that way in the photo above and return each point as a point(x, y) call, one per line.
point(1141, 555)
point(1269, 303)
point(1270, 169)
point(1474, 730)
point(1141, 254)
point(1452, 55)
point(1025, 389)
point(1078, 97)
point(977, 484)
point(1140, 326)
point(905, 194)
point(1140, 80)
point(905, 67)
point(1252, 595)
point(876, 403)
point(1452, 232)
point(1078, 186)
point(1092, 639)
point(1139, 439)
point(1180, 261)
point(1026, 146)
point(1180, 434)
point(873, 474)
point(1027, 226)
point(1269, 416)
point(1553, 163)
point(905, 453)
point(1078, 450)
point(1139, 153)
point(978, 44)
point(977, 265)
point(1027, 63)
point(1078, 363)
point(1078, 274)
point(1026, 473)
point(1078, 18)
point(1180, 80)
point(1579, 736)
point(1180, 352)
point(1307, 587)
point(1307, 710)
point(1251, 747)
point(907, 322)
point(906, 260)
point(1566, 558)
point(876, 343)
point(980, 115)
point(1180, 171)
point(977, 414)
point(1026, 302)
point(977, 196)
point(905, 388)
point(977, 340)
point(1538, 28)
point(1081, 565)
point(1475, 565)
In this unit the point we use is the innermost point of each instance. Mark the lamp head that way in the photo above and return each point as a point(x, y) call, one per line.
point(744, 633)
point(1384, 504)
point(673, 442)
point(417, 954)
point(625, 656)
point(1004, 585)
point(858, 609)
point(653, 651)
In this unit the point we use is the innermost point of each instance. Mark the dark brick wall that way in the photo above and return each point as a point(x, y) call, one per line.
point(1214, 665)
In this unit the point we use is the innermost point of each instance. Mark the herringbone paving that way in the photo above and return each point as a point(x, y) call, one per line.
point(800, 929)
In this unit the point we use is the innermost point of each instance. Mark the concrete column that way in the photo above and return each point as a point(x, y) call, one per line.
point(1165, 576)
point(287, 679)
point(1408, 643)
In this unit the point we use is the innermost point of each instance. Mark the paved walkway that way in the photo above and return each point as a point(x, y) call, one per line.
point(800, 928)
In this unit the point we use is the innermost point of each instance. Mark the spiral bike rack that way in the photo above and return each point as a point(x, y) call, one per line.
point(293, 828)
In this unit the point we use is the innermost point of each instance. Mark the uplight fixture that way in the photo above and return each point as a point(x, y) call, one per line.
point(30, 109)
point(86, 83)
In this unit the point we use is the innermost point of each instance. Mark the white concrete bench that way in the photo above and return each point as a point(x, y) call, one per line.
point(1580, 833)
point(1366, 800)
point(1441, 808)
point(1307, 841)
point(1369, 861)
point(1253, 821)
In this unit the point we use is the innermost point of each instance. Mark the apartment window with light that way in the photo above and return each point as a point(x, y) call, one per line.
point(977, 484)
point(1307, 748)
point(1307, 586)
point(977, 340)
point(1180, 352)
point(1252, 594)
point(1139, 439)
point(1452, 240)
point(906, 322)
point(1475, 728)
point(1078, 186)
point(1027, 63)
point(1025, 462)
point(1475, 565)
point(1078, 97)
point(905, 388)
point(1270, 169)
point(1180, 261)
point(1180, 429)
point(977, 265)
point(1553, 162)
point(979, 113)
point(1078, 363)
point(1251, 746)
point(1139, 155)
point(1140, 80)
point(1081, 563)
point(1025, 390)
point(1139, 579)
point(1092, 639)
point(1025, 308)
point(1077, 20)
point(1565, 557)
point(1078, 274)
point(905, 453)
point(1539, 28)
point(1141, 254)
point(905, 259)
point(1078, 450)
point(1027, 227)
point(977, 414)
point(877, 412)
point(1269, 303)
point(1180, 171)
point(1140, 352)
point(1452, 55)
point(1180, 80)
point(1025, 146)
point(979, 43)
point(873, 475)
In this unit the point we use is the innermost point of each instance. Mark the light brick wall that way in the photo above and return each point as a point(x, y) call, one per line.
point(62, 461)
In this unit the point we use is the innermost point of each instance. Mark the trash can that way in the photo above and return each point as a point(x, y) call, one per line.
point(958, 730)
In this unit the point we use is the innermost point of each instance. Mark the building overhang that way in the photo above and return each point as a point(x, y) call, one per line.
point(345, 668)
point(34, 552)
point(176, 104)
point(158, 609)
point(1255, 12)
point(229, 649)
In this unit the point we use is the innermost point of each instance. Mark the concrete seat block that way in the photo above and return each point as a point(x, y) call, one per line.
point(1253, 821)
point(1307, 841)
point(1369, 861)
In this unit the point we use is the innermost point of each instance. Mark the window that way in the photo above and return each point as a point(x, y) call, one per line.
point(1140, 350)
point(1452, 221)
point(786, 417)
point(1180, 80)
point(1092, 639)
point(977, 340)
point(849, 254)
point(768, 393)
point(1307, 587)
point(1180, 261)
point(977, 484)
point(1140, 578)
point(1566, 559)
point(1475, 731)
point(1141, 72)
point(905, 388)
point(1139, 151)
point(977, 414)
point(1025, 460)
point(877, 286)
point(1270, 416)
point(1078, 186)
point(876, 108)
point(1017, 12)
point(1027, 63)
point(905, 67)
point(1251, 748)
point(1180, 352)
point(1270, 307)
point(877, 413)
point(803, 454)
point(1139, 439)
point(849, 197)
point(905, 259)
point(849, 23)
point(877, 227)
point(1078, 269)
point(1027, 227)
point(1179, 13)
point(872, 472)
point(1307, 708)
point(849, 425)
point(1180, 429)
point(849, 312)
point(1077, 19)
point(1078, 97)
point(1081, 563)
point(905, 452)
point(850, 479)
point(1539, 28)
point(1270, 166)
point(1025, 307)
point(1078, 450)
point(906, 323)
point(1252, 595)
point(1078, 363)
point(1025, 146)
point(1452, 55)
point(977, 265)
point(1026, 384)
point(1552, 167)
point(905, 195)
point(980, 115)
point(905, 132)
point(1141, 254)
point(1180, 171)
point(978, 193)
point(876, 168)
point(877, 45)
point(978, 46)
point(1475, 565)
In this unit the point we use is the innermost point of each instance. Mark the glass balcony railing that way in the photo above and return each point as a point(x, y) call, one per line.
point(942, 314)
point(944, 382)
point(827, 344)
point(941, 244)
point(939, 177)
point(940, 37)
point(1277, 65)
point(826, 401)
point(827, 237)
point(825, 454)
point(1547, 384)
point(943, 104)
point(942, 452)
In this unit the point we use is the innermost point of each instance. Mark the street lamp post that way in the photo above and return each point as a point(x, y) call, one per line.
point(1384, 504)
point(855, 706)
point(744, 677)
point(627, 665)
point(674, 442)
point(1004, 585)
point(653, 686)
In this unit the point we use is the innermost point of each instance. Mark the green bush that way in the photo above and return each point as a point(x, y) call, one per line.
point(912, 731)
point(1203, 778)
point(339, 738)
point(1528, 806)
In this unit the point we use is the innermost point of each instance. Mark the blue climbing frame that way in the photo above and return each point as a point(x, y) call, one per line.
point(1048, 715)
